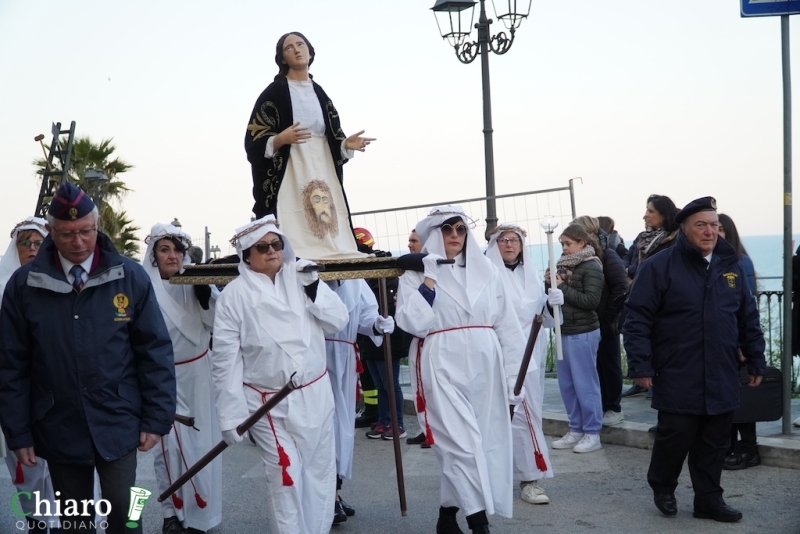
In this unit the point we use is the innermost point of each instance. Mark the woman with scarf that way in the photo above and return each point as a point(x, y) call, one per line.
point(26, 241)
point(580, 277)
point(660, 232)
point(523, 285)
point(269, 329)
point(466, 358)
point(189, 314)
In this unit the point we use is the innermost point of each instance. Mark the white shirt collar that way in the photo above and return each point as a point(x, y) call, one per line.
point(67, 265)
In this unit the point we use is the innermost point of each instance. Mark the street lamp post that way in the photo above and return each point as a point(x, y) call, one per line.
point(454, 18)
point(96, 181)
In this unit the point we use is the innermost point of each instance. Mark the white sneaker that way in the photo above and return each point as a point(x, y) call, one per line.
point(588, 443)
point(534, 494)
point(611, 418)
point(568, 441)
point(796, 422)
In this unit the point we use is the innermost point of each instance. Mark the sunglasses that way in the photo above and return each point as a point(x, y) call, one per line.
point(461, 229)
point(263, 248)
point(27, 243)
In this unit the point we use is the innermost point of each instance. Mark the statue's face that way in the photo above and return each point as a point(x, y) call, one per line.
point(321, 204)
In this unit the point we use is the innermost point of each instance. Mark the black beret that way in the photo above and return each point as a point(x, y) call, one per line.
point(699, 204)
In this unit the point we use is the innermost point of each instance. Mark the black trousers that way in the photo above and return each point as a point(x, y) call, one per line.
point(116, 478)
point(705, 439)
point(747, 443)
point(609, 369)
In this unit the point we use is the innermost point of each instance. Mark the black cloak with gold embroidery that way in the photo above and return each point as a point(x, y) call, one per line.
point(271, 115)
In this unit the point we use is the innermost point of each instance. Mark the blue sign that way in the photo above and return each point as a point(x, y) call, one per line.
point(766, 8)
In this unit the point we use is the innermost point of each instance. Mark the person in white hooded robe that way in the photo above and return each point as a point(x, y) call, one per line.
point(26, 240)
point(465, 362)
point(344, 365)
point(524, 286)
point(197, 506)
point(269, 329)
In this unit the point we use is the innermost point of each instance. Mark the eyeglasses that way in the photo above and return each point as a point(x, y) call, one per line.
point(447, 229)
point(27, 243)
point(508, 240)
point(263, 248)
point(69, 236)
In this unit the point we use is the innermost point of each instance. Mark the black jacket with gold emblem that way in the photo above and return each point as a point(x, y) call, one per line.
point(271, 115)
point(83, 371)
point(684, 325)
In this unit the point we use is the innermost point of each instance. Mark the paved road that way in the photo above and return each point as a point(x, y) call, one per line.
point(603, 492)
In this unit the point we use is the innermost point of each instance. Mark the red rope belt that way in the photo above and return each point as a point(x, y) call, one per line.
point(193, 359)
point(283, 459)
point(421, 404)
point(359, 365)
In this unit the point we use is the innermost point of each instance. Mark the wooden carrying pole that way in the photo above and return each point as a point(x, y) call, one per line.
point(536, 325)
point(387, 356)
point(221, 446)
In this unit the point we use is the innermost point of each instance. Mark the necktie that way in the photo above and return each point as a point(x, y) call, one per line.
point(77, 271)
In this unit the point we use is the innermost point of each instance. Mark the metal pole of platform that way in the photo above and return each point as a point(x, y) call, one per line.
point(786, 364)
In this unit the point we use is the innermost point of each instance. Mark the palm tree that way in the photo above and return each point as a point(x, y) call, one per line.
point(88, 155)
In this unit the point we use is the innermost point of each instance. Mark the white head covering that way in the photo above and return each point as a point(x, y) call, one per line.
point(172, 301)
point(10, 261)
point(288, 329)
point(529, 301)
point(479, 269)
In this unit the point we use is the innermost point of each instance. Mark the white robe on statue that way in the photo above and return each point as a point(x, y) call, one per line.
point(198, 504)
point(264, 333)
point(525, 288)
point(472, 346)
point(362, 308)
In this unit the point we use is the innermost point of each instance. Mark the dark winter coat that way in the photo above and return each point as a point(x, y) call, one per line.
point(83, 371)
point(614, 289)
point(633, 258)
point(684, 325)
point(581, 298)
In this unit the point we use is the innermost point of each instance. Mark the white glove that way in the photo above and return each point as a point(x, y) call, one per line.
point(514, 400)
point(306, 278)
point(231, 437)
point(555, 297)
point(430, 265)
point(384, 325)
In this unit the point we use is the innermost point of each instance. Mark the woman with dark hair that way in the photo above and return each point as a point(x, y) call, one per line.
point(660, 232)
point(189, 314)
point(580, 278)
point(466, 357)
point(743, 452)
point(294, 137)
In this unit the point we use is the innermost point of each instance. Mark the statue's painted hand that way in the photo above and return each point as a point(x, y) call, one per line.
point(356, 142)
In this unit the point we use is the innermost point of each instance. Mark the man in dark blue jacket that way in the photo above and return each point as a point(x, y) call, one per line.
point(689, 313)
point(86, 367)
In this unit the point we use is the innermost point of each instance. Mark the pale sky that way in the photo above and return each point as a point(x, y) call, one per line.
point(682, 98)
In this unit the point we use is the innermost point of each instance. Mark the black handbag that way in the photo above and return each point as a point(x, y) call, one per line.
point(762, 403)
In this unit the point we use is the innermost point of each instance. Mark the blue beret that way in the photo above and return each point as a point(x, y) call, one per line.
point(70, 203)
point(700, 204)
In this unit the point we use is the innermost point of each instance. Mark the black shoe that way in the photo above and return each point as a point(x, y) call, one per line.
point(419, 439)
point(348, 510)
point(425, 446)
point(481, 529)
point(448, 524)
point(666, 503)
point(338, 514)
point(365, 421)
point(653, 428)
point(172, 526)
point(741, 460)
point(634, 390)
point(649, 394)
point(720, 512)
point(191, 530)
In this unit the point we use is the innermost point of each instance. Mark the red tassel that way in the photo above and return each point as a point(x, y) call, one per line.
point(541, 465)
point(359, 365)
point(420, 402)
point(428, 435)
point(177, 502)
point(20, 476)
point(200, 502)
point(284, 462)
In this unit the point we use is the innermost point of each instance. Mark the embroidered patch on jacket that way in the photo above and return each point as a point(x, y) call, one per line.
point(120, 303)
point(731, 277)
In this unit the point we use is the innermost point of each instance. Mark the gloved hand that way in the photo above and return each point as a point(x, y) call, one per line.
point(203, 294)
point(384, 325)
point(514, 400)
point(231, 437)
point(431, 268)
point(555, 297)
point(306, 278)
